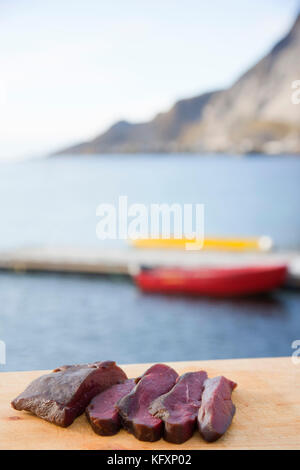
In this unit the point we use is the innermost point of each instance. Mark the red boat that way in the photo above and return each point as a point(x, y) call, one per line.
point(220, 282)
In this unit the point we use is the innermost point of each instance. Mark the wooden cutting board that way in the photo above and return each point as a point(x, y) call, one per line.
point(267, 400)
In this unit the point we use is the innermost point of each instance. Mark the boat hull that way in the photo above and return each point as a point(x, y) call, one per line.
point(223, 282)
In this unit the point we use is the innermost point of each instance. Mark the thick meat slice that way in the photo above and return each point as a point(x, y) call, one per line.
point(134, 407)
point(179, 407)
point(102, 412)
point(217, 410)
point(59, 397)
point(90, 364)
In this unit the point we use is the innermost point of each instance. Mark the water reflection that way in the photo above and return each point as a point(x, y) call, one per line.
point(270, 304)
point(47, 320)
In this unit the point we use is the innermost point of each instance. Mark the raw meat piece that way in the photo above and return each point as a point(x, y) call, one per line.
point(102, 413)
point(217, 410)
point(134, 407)
point(59, 397)
point(179, 407)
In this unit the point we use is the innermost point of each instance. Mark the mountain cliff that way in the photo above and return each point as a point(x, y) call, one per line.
point(255, 114)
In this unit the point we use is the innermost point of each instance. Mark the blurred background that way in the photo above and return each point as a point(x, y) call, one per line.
point(164, 102)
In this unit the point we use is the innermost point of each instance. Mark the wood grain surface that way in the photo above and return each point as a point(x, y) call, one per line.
point(267, 400)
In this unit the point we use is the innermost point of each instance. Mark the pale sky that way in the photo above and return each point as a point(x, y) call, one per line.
point(70, 68)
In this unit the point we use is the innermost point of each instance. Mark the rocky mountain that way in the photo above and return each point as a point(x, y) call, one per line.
point(255, 114)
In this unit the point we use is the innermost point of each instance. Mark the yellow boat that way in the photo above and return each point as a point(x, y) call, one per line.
point(262, 243)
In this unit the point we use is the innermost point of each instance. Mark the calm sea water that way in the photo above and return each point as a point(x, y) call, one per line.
point(47, 320)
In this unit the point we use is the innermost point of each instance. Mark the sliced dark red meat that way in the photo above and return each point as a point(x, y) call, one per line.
point(61, 396)
point(134, 407)
point(90, 364)
point(217, 410)
point(179, 407)
point(102, 412)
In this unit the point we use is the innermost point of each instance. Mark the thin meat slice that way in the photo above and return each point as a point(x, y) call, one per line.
point(217, 410)
point(102, 413)
point(134, 407)
point(179, 407)
point(61, 396)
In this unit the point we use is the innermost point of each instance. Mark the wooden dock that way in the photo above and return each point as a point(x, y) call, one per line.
point(126, 261)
